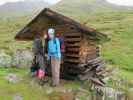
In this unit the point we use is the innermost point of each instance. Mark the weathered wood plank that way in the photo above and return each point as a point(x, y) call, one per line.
point(72, 34)
point(97, 81)
point(71, 55)
point(72, 44)
point(72, 39)
point(72, 60)
point(73, 49)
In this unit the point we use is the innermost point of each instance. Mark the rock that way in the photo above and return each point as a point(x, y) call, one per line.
point(121, 96)
point(112, 94)
point(22, 58)
point(69, 90)
point(77, 98)
point(5, 59)
point(49, 91)
point(17, 97)
point(88, 98)
point(12, 78)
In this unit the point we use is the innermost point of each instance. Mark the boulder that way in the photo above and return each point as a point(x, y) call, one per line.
point(17, 97)
point(5, 59)
point(12, 78)
point(22, 58)
point(112, 94)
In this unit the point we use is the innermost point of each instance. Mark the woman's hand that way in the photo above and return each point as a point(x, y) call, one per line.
point(46, 55)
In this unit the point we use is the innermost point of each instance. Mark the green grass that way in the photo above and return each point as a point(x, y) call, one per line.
point(4, 71)
point(8, 29)
point(8, 91)
point(118, 26)
point(29, 89)
point(23, 88)
point(125, 74)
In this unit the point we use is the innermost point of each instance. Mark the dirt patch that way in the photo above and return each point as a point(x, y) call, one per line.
point(61, 96)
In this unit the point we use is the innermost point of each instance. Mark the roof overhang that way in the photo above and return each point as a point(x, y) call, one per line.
point(29, 31)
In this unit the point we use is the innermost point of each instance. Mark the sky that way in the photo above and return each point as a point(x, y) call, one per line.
point(122, 2)
point(119, 2)
point(5, 1)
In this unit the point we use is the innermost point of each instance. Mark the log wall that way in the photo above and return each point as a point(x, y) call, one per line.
point(88, 50)
point(81, 58)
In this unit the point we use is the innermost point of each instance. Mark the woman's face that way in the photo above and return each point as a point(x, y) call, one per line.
point(51, 35)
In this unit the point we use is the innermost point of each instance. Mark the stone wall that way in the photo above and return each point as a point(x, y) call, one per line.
point(20, 58)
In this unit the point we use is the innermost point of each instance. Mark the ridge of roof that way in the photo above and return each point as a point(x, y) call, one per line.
point(55, 15)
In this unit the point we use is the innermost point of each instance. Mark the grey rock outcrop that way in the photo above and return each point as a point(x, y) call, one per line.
point(5, 59)
point(22, 58)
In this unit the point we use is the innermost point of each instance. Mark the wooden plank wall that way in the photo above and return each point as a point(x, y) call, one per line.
point(79, 50)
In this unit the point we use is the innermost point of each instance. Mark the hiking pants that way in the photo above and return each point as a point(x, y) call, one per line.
point(55, 66)
point(40, 60)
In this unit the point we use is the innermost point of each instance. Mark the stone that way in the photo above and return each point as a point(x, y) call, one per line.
point(22, 58)
point(77, 98)
point(17, 97)
point(49, 91)
point(69, 90)
point(5, 59)
point(12, 78)
point(112, 94)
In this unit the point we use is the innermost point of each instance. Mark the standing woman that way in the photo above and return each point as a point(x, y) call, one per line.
point(38, 51)
point(54, 55)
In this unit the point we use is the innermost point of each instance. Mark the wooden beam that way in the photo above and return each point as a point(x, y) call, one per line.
point(72, 55)
point(73, 49)
point(72, 44)
point(72, 39)
point(72, 60)
point(72, 34)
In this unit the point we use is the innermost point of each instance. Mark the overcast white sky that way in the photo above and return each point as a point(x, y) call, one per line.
point(122, 2)
point(119, 2)
point(4, 1)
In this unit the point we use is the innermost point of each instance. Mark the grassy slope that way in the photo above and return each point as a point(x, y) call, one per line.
point(8, 29)
point(29, 89)
point(117, 24)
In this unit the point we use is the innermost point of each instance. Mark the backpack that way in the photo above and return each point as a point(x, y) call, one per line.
point(40, 73)
point(61, 40)
point(62, 45)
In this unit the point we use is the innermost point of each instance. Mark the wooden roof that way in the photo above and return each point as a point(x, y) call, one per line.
point(48, 16)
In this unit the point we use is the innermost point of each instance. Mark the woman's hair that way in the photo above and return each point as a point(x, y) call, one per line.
point(37, 35)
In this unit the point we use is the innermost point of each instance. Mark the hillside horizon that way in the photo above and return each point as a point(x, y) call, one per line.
point(22, 8)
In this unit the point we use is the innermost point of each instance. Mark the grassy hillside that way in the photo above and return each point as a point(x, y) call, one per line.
point(84, 7)
point(8, 29)
point(29, 89)
point(118, 24)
